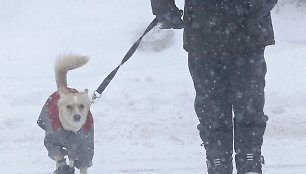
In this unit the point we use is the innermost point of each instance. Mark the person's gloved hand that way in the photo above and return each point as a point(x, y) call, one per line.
point(171, 20)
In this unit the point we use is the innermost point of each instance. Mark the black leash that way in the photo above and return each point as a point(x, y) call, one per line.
point(128, 55)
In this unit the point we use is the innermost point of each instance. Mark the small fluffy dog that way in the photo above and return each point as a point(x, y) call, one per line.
point(67, 121)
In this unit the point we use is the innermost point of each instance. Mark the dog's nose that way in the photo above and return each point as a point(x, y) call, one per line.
point(77, 117)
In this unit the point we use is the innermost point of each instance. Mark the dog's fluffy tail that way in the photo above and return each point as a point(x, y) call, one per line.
point(64, 64)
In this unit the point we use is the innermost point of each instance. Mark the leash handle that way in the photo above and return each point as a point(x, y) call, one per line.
point(127, 56)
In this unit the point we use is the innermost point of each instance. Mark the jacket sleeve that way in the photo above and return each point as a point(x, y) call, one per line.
point(260, 8)
point(43, 118)
point(162, 6)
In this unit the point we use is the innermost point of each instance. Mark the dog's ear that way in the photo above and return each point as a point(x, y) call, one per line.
point(86, 91)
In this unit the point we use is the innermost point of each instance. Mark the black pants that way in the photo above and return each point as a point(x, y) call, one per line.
point(229, 81)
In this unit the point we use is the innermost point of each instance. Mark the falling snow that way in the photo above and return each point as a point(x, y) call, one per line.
point(145, 121)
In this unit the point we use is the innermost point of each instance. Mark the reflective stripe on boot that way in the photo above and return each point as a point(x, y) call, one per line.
point(220, 166)
point(249, 163)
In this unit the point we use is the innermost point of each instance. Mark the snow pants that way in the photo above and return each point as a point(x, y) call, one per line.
point(230, 82)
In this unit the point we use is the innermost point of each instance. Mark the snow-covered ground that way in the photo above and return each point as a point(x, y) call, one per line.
point(145, 123)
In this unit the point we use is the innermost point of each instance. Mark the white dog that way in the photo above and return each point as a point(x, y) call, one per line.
point(68, 122)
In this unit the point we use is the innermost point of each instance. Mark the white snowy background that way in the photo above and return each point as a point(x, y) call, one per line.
point(145, 122)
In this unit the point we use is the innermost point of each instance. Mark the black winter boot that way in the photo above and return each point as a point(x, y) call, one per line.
point(220, 166)
point(249, 162)
point(218, 143)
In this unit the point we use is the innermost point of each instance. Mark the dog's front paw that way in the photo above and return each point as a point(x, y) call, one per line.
point(66, 169)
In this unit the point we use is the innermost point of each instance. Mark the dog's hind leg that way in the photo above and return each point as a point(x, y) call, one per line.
point(83, 170)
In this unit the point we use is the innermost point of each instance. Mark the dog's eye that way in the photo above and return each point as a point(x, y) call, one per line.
point(69, 107)
point(81, 106)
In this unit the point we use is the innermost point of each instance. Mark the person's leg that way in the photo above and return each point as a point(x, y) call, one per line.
point(247, 83)
point(209, 74)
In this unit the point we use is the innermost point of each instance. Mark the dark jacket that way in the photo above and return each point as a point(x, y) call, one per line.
point(211, 23)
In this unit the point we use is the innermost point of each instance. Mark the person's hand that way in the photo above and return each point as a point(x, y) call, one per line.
point(171, 20)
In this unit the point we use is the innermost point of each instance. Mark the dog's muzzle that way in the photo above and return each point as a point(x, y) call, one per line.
point(77, 117)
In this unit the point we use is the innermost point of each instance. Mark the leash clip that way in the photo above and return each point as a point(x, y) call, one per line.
point(95, 95)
